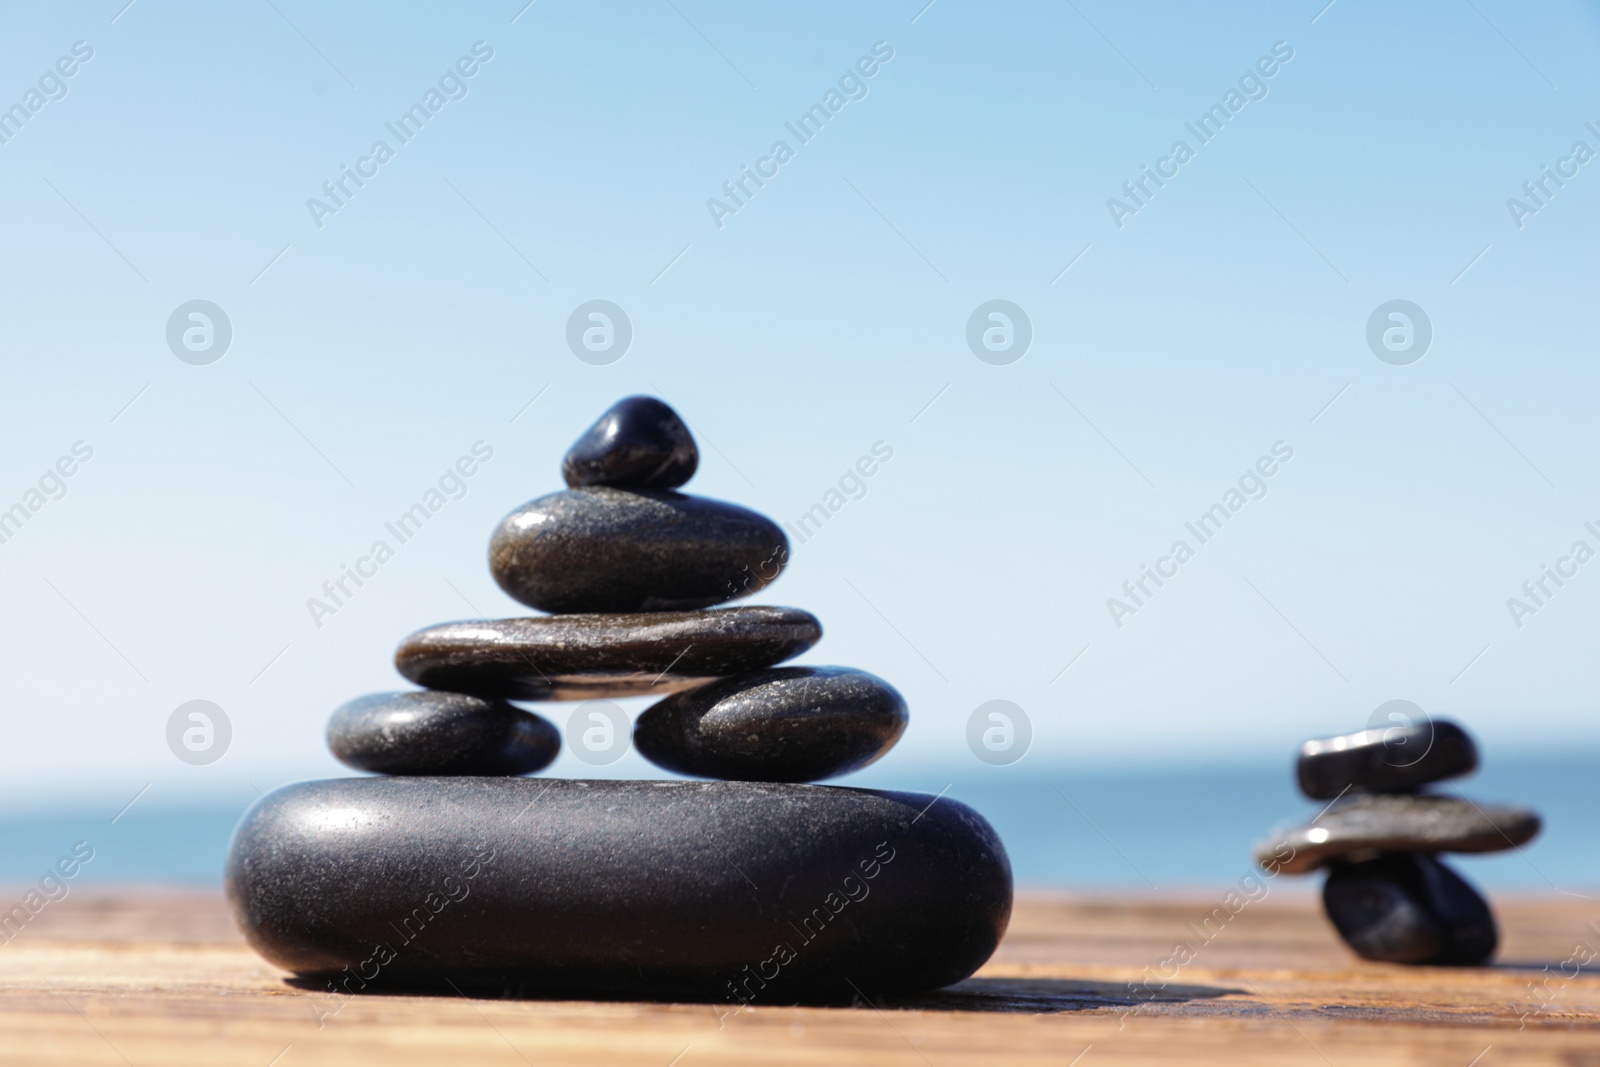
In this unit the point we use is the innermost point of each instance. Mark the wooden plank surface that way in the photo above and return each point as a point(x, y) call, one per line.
point(162, 977)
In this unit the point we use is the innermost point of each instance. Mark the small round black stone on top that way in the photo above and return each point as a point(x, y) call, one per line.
point(639, 443)
point(443, 734)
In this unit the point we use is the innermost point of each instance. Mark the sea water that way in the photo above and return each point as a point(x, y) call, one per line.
point(1161, 827)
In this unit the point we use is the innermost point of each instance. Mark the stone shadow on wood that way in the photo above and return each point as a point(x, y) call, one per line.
point(1046, 995)
point(1564, 970)
point(1027, 996)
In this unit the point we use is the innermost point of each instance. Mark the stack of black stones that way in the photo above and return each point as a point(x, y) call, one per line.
point(1387, 893)
point(453, 867)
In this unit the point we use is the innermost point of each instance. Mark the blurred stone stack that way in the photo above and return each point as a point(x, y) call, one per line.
point(1387, 893)
point(623, 885)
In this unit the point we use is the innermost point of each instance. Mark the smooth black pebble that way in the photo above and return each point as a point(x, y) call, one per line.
point(1393, 760)
point(441, 734)
point(1409, 908)
point(583, 657)
point(1402, 822)
point(786, 724)
point(734, 891)
point(639, 443)
point(613, 550)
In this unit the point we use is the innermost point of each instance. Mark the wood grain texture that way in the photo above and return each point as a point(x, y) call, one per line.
point(162, 977)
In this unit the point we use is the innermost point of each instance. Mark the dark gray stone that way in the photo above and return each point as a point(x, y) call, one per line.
point(582, 657)
point(1397, 823)
point(733, 891)
point(786, 724)
point(440, 733)
point(639, 443)
point(612, 550)
point(1409, 909)
point(1393, 760)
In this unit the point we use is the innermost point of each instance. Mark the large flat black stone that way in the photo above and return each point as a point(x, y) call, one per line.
point(1397, 823)
point(731, 891)
point(583, 657)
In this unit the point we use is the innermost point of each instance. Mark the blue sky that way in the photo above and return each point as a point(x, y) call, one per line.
point(828, 314)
